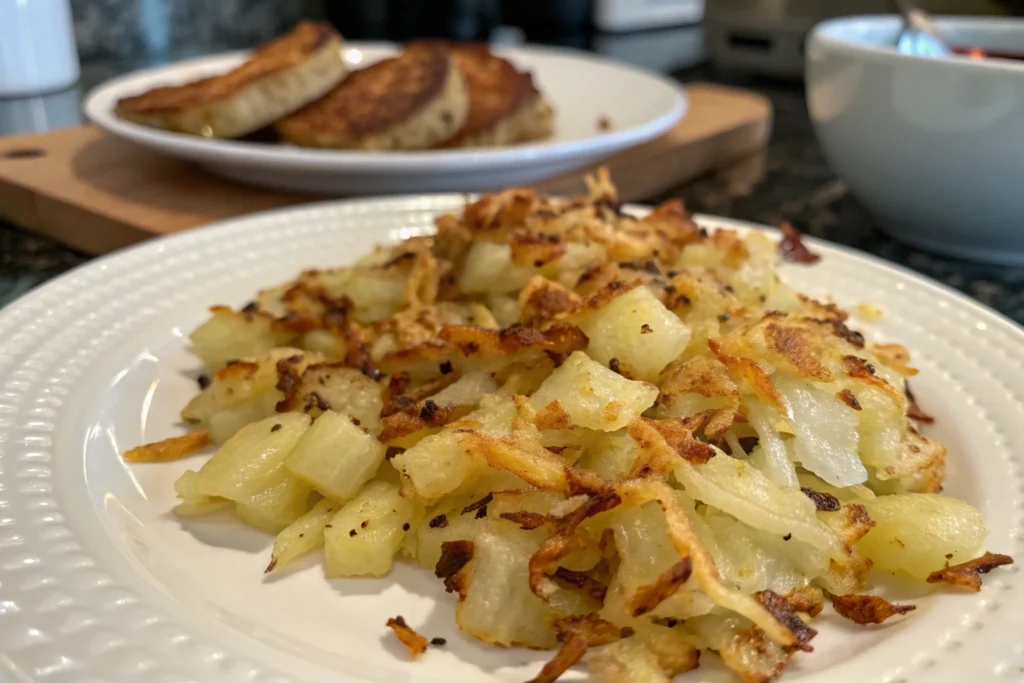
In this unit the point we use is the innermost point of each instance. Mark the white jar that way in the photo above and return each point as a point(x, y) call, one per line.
point(37, 47)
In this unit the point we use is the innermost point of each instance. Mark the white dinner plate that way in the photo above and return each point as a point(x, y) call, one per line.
point(637, 105)
point(99, 582)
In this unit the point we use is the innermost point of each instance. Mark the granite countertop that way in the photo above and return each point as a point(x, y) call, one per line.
point(797, 186)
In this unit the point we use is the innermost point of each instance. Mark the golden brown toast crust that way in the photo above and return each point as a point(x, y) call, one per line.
point(496, 89)
point(285, 52)
point(373, 100)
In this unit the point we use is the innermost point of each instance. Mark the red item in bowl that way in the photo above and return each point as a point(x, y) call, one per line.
point(978, 53)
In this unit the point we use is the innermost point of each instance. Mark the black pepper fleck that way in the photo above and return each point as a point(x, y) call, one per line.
point(478, 505)
point(429, 410)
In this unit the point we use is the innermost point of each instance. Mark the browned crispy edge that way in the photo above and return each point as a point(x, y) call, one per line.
point(282, 53)
point(517, 89)
point(334, 113)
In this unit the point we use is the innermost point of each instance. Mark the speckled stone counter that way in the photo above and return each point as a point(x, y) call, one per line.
point(797, 186)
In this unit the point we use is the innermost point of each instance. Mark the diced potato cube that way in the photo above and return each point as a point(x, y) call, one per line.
point(188, 486)
point(303, 535)
point(230, 335)
point(625, 661)
point(753, 658)
point(229, 389)
point(343, 390)
point(467, 390)
point(505, 309)
point(272, 300)
point(226, 423)
point(459, 527)
point(336, 457)
point(437, 465)
point(201, 507)
point(195, 503)
point(242, 393)
point(674, 648)
point(636, 330)
point(324, 342)
point(376, 293)
point(284, 499)
point(246, 463)
point(493, 417)
point(364, 536)
point(528, 500)
point(882, 427)
point(594, 396)
point(488, 268)
point(609, 456)
point(918, 533)
point(499, 606)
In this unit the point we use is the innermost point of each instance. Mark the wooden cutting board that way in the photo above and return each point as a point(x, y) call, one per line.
point(97, 193)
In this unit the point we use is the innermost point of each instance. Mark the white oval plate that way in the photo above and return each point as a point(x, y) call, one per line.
point(100, 582)
point(583, 88)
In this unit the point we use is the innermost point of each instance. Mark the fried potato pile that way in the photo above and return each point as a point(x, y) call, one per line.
point(621, 437)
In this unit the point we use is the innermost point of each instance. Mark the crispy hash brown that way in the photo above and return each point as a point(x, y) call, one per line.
point(414, 100)
point(622, 438)
point(505, 106)
point(277, 79)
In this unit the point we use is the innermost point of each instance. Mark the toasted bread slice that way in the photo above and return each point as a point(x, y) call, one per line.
point(504, 104)
point(279, 78)
point(413, 101)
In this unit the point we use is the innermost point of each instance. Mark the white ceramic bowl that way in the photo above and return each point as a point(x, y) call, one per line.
point(934, 147)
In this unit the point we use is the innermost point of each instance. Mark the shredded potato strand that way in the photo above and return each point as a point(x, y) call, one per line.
point(704, 570)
